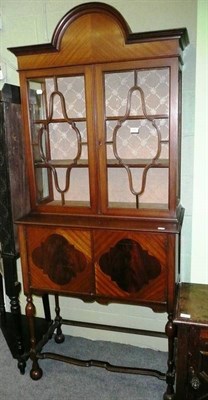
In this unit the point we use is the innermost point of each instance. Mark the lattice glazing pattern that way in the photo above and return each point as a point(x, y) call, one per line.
point(137, 137)
point(153, 82)
point(60, 139)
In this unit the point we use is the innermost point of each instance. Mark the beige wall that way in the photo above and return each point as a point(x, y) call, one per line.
point(199, 259)
point(29, 22)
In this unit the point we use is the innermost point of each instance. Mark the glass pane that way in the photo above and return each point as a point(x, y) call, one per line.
point(155, 85)
point(59, 139)
point(42, 187)
point(64, 141)
point(117, 86)
point(73, 91)
point(153, 82)
point(137, 139)
point(79, 192)
point(154, 196)
point(37, 100)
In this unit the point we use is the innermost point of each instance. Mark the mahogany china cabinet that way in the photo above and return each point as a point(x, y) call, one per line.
point(102, 113)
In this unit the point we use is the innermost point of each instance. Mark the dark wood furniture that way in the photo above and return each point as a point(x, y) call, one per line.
point(101, 110)
point(192, 350)
point(14, 201)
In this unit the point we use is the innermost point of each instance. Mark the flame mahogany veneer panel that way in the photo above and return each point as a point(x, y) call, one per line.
point(131, 265)
point(60, 260)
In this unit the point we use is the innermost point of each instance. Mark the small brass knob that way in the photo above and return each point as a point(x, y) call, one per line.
point(195, 382)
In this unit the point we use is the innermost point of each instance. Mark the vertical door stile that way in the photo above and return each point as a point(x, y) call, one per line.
point(91, 134)
point(173, 175)
point(100, 139)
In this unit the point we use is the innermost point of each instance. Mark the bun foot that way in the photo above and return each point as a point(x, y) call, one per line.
point(36, 374)
point(59, 338)
point(169, 396)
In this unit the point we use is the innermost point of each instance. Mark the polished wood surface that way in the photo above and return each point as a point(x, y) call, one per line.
point(91, 262)
point(192, 305)
point(102, 247)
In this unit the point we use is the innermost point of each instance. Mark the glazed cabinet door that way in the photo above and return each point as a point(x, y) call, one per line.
point(61, 154)
point(138, 151)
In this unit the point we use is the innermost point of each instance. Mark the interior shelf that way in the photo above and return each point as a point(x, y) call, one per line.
point(142, 163)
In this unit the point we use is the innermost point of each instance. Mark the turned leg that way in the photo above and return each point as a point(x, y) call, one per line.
point(170, 376)
point(59, 336)
point(36, 372)
point(12, 289)
point(16, 314)
point(17, 322)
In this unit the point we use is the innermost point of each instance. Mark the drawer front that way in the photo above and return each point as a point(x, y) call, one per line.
point(131, 266)
point(58, 259)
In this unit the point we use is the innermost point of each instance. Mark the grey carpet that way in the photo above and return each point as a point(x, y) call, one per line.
point(66, 382)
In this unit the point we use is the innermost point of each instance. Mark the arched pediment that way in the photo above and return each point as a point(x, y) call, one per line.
point(95, 33)
point(83, 11)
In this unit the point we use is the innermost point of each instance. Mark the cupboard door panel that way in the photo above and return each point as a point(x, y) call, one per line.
point(131, 266)
point(60, 260)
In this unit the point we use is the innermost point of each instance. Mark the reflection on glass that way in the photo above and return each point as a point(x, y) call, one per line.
point(59, 139)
